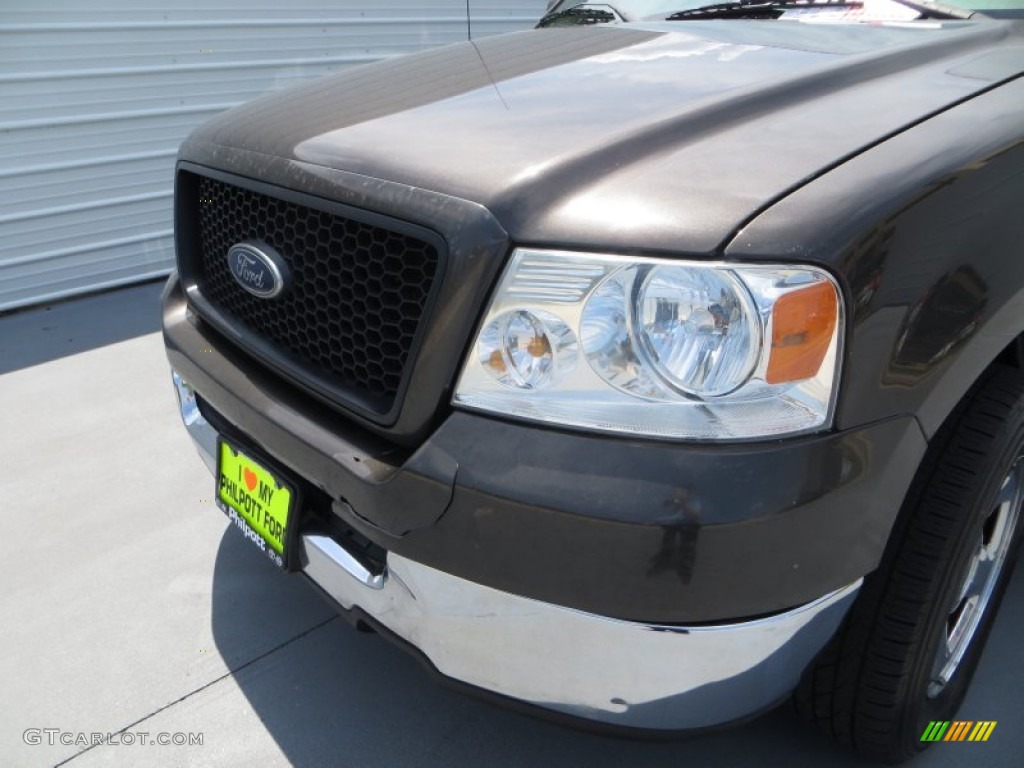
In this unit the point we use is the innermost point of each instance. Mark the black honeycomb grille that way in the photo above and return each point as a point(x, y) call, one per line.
point(358, 291)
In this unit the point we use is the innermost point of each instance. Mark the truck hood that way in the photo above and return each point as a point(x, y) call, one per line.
point(665, 136)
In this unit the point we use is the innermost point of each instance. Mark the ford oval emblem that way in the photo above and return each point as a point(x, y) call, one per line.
point(258, 268)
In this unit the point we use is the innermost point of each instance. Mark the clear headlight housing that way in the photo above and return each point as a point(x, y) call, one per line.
point(657, 347)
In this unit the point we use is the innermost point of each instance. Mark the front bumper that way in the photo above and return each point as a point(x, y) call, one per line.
point(593, 577)
point(620, 673)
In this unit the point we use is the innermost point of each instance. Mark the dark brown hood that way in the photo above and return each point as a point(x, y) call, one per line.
point(662, 136)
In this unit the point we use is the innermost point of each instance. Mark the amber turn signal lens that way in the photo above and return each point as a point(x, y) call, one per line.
point(803, 323)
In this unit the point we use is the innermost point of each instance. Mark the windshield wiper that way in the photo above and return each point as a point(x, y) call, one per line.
point(579, 15)
point(773, 9)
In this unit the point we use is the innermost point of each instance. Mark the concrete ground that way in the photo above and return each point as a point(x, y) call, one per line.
point(129, 606)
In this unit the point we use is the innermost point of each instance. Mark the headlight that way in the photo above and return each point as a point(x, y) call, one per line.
point(697, 328)
point(658, 347)
point(527, 350)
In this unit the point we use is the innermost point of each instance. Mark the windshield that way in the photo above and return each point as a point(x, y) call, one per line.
point(633, 10)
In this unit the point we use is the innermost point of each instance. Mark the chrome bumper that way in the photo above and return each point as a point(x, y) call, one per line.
point(617, 672)
point(199, 429)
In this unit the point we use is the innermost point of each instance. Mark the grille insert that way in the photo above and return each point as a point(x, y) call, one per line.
point(357, 297)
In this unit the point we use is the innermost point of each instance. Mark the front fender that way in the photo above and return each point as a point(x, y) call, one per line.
point(925, 233)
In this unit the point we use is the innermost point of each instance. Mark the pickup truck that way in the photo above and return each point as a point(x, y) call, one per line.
point(640, 375)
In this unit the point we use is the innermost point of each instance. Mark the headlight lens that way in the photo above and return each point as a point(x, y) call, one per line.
point(527, 349)
point(658, 347)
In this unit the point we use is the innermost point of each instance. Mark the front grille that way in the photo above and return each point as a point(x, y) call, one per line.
point(357, 298)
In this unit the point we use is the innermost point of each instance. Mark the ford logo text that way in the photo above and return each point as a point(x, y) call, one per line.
point(258, 268)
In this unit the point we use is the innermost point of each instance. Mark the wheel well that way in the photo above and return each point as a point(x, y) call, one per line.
point(1013, 355)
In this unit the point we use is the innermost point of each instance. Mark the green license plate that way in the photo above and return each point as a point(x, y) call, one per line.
point(255, 500)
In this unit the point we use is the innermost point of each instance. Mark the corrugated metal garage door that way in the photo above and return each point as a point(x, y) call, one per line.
point(97, 97)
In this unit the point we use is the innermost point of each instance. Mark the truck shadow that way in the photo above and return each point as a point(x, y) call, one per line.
point(328, 694)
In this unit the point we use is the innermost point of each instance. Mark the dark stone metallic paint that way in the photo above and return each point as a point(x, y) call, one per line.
point(890, 156)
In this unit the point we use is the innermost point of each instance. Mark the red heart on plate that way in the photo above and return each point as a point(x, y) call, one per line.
point(250, 479)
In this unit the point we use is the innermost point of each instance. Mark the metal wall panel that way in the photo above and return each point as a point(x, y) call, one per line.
point(492, 17)
point(97, 97)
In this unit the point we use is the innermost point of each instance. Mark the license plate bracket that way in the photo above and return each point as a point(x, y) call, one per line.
point(258, 500)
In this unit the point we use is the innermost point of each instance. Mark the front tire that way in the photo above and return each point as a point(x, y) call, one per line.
point(909, 647)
